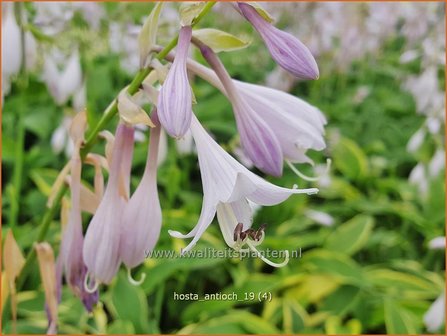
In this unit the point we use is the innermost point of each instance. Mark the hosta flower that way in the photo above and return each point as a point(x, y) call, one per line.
point(285, 126)
point(289, 52)
point(101, 250)
point(175, 98)
point(227, 186)
point(298, 125)
point(142, 215)
point(73, 240)
point(70, 260)
point(257, 137)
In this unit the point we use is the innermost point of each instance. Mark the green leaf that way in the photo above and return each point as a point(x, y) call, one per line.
point(402, 284)
point(336, 264)
point(219, 40)
point(333, 325)
point(351, 236)
point(313, 288)
point(121, 327)
point(341, 301)
point(233, 322)
point(350, 159)
point(397, 319)
point(294, 317)
point(129, 303)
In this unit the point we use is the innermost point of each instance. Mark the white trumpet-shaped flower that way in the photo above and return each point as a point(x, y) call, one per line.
point(227, 186)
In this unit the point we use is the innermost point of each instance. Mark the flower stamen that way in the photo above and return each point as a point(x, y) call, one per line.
point(133, 281)
point(267, 261)
point(310, 178)
point(88, 289)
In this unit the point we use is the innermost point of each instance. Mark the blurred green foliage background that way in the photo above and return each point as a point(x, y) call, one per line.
point(370, 272)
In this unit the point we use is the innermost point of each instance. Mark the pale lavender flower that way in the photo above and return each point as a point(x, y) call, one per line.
point(289, 52)
point(142, 215)
point(70, 261)
point(296, 125)
point(74, 268)
point(175, 98)
point(101, 246)
point(227, 186)
point(258, 140)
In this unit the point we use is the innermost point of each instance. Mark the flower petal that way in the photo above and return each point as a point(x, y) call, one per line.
point(175, 98)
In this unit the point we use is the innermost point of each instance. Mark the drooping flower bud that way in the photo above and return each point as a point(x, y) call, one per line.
point(175, 98)
point(289, 52)
point(142, 215)
point(70, 261)
point(102, 240)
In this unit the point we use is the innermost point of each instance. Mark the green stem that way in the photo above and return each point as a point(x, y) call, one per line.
point(108, 114)
point(44, 226)
point(18, 170)
point(20, 140)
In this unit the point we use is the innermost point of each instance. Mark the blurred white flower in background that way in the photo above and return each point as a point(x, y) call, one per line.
point(437, 243)
point(434, 318)
point(60, 139)
point(52, 17)
point(320, 217)
point(324, 177)
point(64, 83)
point(11, 46)
point(437, 163)
point(92, 12)
point(416, 140)
point(123, 40)
point(418, 177)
